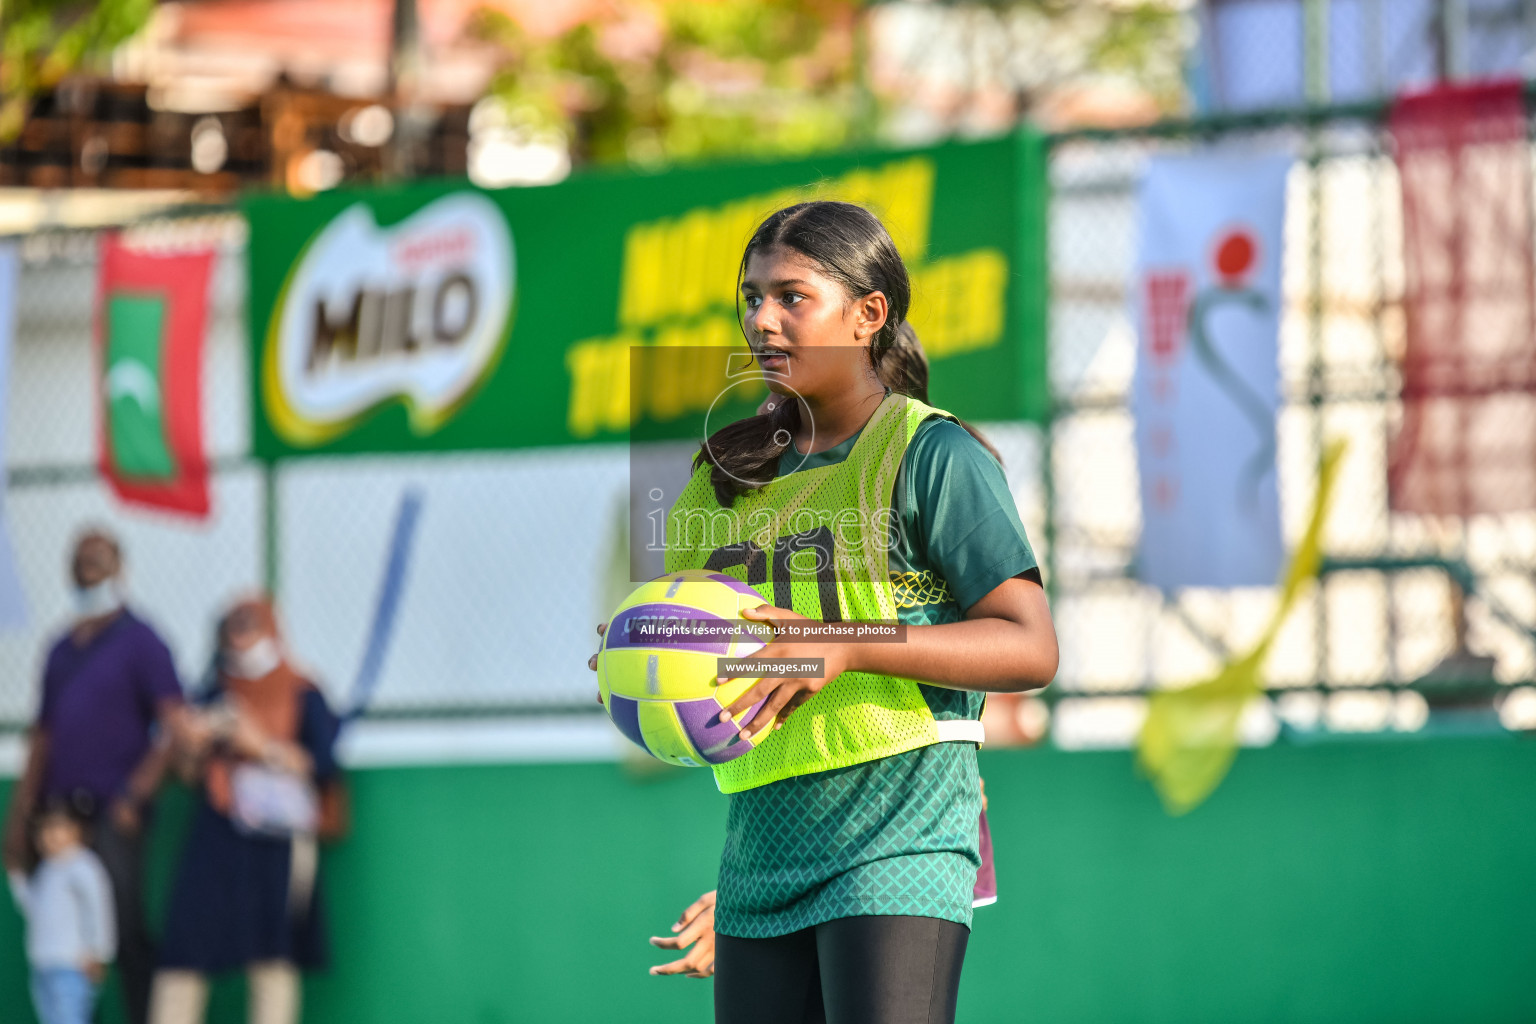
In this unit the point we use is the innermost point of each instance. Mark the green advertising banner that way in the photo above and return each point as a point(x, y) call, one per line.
point(438, 316)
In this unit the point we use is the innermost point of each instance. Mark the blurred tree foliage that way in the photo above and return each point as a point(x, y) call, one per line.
point(653, 81)
point(675, 79)
point(41, 41)
point(1144, 41)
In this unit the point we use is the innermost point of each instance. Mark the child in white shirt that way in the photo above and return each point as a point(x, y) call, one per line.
point(71, 930)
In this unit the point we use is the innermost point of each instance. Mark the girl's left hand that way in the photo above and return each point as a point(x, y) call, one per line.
point(787, 694)
point(696, 928)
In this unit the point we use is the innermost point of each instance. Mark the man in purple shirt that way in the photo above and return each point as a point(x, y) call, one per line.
point(108, 682)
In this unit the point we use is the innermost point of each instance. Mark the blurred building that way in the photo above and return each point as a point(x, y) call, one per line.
point(214, 95)
point(1258, 54)
point(199, 55)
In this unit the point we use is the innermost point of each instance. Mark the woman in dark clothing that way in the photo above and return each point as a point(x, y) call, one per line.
point(246, 896)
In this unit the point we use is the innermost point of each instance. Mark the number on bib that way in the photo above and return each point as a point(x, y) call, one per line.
point(747, 554)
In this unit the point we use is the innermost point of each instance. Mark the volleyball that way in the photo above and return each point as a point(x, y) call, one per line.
point(660, 656)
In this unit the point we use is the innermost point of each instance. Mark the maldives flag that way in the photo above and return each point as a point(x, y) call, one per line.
point(151, 315)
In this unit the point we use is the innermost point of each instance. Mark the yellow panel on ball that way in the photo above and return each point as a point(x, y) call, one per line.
point(664, 735)
point(647, 674)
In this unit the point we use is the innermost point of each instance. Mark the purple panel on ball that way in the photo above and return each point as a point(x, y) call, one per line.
point(628, 629)
point(626, 715)
point(718, 741)
point(736, 585)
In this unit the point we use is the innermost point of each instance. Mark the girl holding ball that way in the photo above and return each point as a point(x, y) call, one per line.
point(851, 851)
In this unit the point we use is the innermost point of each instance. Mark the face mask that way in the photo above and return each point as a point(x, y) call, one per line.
point(97, 600)
point(255, 661)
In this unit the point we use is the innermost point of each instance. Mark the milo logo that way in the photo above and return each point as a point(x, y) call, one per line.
point(416, 312)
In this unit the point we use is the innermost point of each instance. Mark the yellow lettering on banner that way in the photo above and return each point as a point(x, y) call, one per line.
point(681, 373)
point(931, 297)
point(581, 364)
point(677, 291)
point(860, 185)
point(644, 265)
point(958, 302)
point(986, 283)
point(599, 398)
point(900, 194)
point(908, 205)
point(692, 266)
point(617, 406)
point(679, 267)
point(717, 266)
point(720, 332)
point(678, 375)
point(782, 198)
point(958, 306)
point(711, 376)
point(667, 374)
point(733, 229)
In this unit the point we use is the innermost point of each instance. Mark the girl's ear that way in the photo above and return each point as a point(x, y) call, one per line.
point(870, 314)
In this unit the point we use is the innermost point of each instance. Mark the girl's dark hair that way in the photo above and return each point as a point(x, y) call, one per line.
point(850, 245)
point(905, 367)
point(905, 371)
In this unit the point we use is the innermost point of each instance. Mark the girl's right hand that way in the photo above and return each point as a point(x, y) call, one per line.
point(602, 627)
point(695, 928)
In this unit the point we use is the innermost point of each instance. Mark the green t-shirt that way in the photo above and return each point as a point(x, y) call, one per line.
point(897, 835)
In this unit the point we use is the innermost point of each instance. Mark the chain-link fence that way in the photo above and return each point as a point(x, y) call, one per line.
point(504, 572)
point(518, 554)
point(1266, 54)
point(182, 571)
point(1401, 596)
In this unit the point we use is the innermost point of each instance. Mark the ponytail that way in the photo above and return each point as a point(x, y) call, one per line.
point(905, 371)
point(745, 454)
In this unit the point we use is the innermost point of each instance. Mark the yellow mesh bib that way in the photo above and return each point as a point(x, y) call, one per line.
point(817, 541)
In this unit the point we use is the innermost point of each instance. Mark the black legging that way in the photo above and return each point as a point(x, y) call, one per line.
point(856, 970)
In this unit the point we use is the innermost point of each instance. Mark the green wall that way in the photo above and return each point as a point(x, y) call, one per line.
point(1350, 881)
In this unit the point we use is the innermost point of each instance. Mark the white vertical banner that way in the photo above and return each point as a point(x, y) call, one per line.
point(1206, 390)
point(13, 602)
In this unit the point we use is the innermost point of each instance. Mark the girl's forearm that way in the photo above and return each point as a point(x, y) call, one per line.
point(978, 654)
